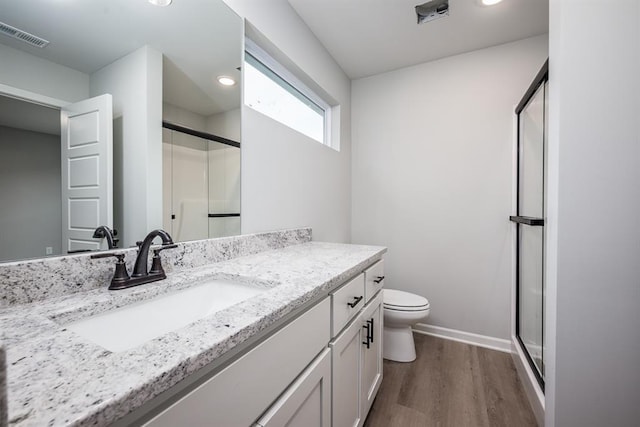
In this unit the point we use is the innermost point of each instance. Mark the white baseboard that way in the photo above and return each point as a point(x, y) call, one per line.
point(465, 337)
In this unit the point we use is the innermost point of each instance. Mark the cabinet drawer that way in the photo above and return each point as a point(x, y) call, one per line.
point(346, 302)
point(374, 280)
point(241, 392)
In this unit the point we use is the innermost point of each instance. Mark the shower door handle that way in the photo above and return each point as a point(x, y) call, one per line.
point(527, 220)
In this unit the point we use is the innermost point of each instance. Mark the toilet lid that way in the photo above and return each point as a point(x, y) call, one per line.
point(400, 300)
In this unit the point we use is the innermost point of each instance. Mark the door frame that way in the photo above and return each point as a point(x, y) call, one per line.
point(32, 97)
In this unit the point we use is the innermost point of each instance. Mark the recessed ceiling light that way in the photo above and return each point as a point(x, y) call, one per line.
point(489, 2)
point(226, 81)
point(160, 2)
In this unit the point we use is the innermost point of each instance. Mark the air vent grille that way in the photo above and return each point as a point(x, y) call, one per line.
point(431, 10)
point(16, 33)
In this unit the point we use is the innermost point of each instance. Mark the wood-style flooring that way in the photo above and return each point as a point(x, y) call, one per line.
point(451, 384)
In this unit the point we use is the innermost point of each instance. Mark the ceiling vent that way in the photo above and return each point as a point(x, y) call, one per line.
point(431, 10)
point(16, 33)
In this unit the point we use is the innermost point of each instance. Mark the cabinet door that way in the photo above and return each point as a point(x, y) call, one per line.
point(345, 356)
point(371, 318)
point(307, 402)
point(237, 395)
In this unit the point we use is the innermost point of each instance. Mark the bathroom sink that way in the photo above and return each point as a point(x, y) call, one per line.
point(137, 323)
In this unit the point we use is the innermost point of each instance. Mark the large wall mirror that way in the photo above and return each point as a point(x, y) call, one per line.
point(112, 112)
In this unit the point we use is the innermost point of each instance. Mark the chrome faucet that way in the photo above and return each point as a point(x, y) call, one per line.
point(141, 274)
point(105, 232)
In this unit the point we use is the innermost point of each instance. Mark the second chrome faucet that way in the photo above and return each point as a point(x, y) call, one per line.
point(141, 274)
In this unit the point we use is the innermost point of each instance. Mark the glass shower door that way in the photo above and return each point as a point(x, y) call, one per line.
point(201, 184)
point(185, 186)
point(530, 286)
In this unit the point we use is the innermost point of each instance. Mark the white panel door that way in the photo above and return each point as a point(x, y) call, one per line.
point(87, 172)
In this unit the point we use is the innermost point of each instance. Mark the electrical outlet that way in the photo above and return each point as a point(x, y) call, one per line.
point(48, 250)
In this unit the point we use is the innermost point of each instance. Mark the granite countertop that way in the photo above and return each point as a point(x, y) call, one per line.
point(55, 377)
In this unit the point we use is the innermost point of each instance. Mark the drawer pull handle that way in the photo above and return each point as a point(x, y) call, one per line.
point(371, 330)
point(378, 279)
point(368, 341)
point(356, 301)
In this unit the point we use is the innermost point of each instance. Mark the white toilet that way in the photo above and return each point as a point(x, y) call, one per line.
point(401, 311)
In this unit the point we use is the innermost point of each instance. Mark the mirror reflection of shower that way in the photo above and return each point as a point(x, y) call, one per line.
point(201, 184)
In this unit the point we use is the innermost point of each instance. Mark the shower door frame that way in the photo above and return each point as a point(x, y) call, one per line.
point(539, 81)
point(212, 138)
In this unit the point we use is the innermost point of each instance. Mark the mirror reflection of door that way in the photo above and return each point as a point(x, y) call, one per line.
point(33, 220)
point(87, 172)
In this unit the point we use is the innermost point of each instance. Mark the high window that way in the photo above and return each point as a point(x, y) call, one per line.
point(272, 90)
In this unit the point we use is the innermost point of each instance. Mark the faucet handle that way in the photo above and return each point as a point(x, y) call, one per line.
point(156, 261)
point(120, 275)
point(120, 256)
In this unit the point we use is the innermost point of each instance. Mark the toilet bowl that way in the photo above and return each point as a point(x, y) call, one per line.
point(401, 311)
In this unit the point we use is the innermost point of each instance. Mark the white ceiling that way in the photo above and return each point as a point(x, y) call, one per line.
point(368, 37)
point(202, 39)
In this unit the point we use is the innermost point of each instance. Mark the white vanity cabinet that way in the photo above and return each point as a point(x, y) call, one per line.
point(357, 364)
point(240, 393)
point(322, 369)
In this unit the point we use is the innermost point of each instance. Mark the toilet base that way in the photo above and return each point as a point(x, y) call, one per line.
point(398, 344)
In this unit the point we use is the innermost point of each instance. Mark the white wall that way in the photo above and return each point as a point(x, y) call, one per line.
point(593, 268)
point(289, 180)
point(135, 81)
point(30, 201)
point(226, 125)
point(24, 71)
point(432, 179)
point(182, 117)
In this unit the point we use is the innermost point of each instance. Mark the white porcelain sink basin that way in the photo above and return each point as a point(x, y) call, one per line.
point(135, 324)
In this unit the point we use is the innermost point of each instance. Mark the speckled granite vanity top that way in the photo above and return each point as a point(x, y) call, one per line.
point(56, 377)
